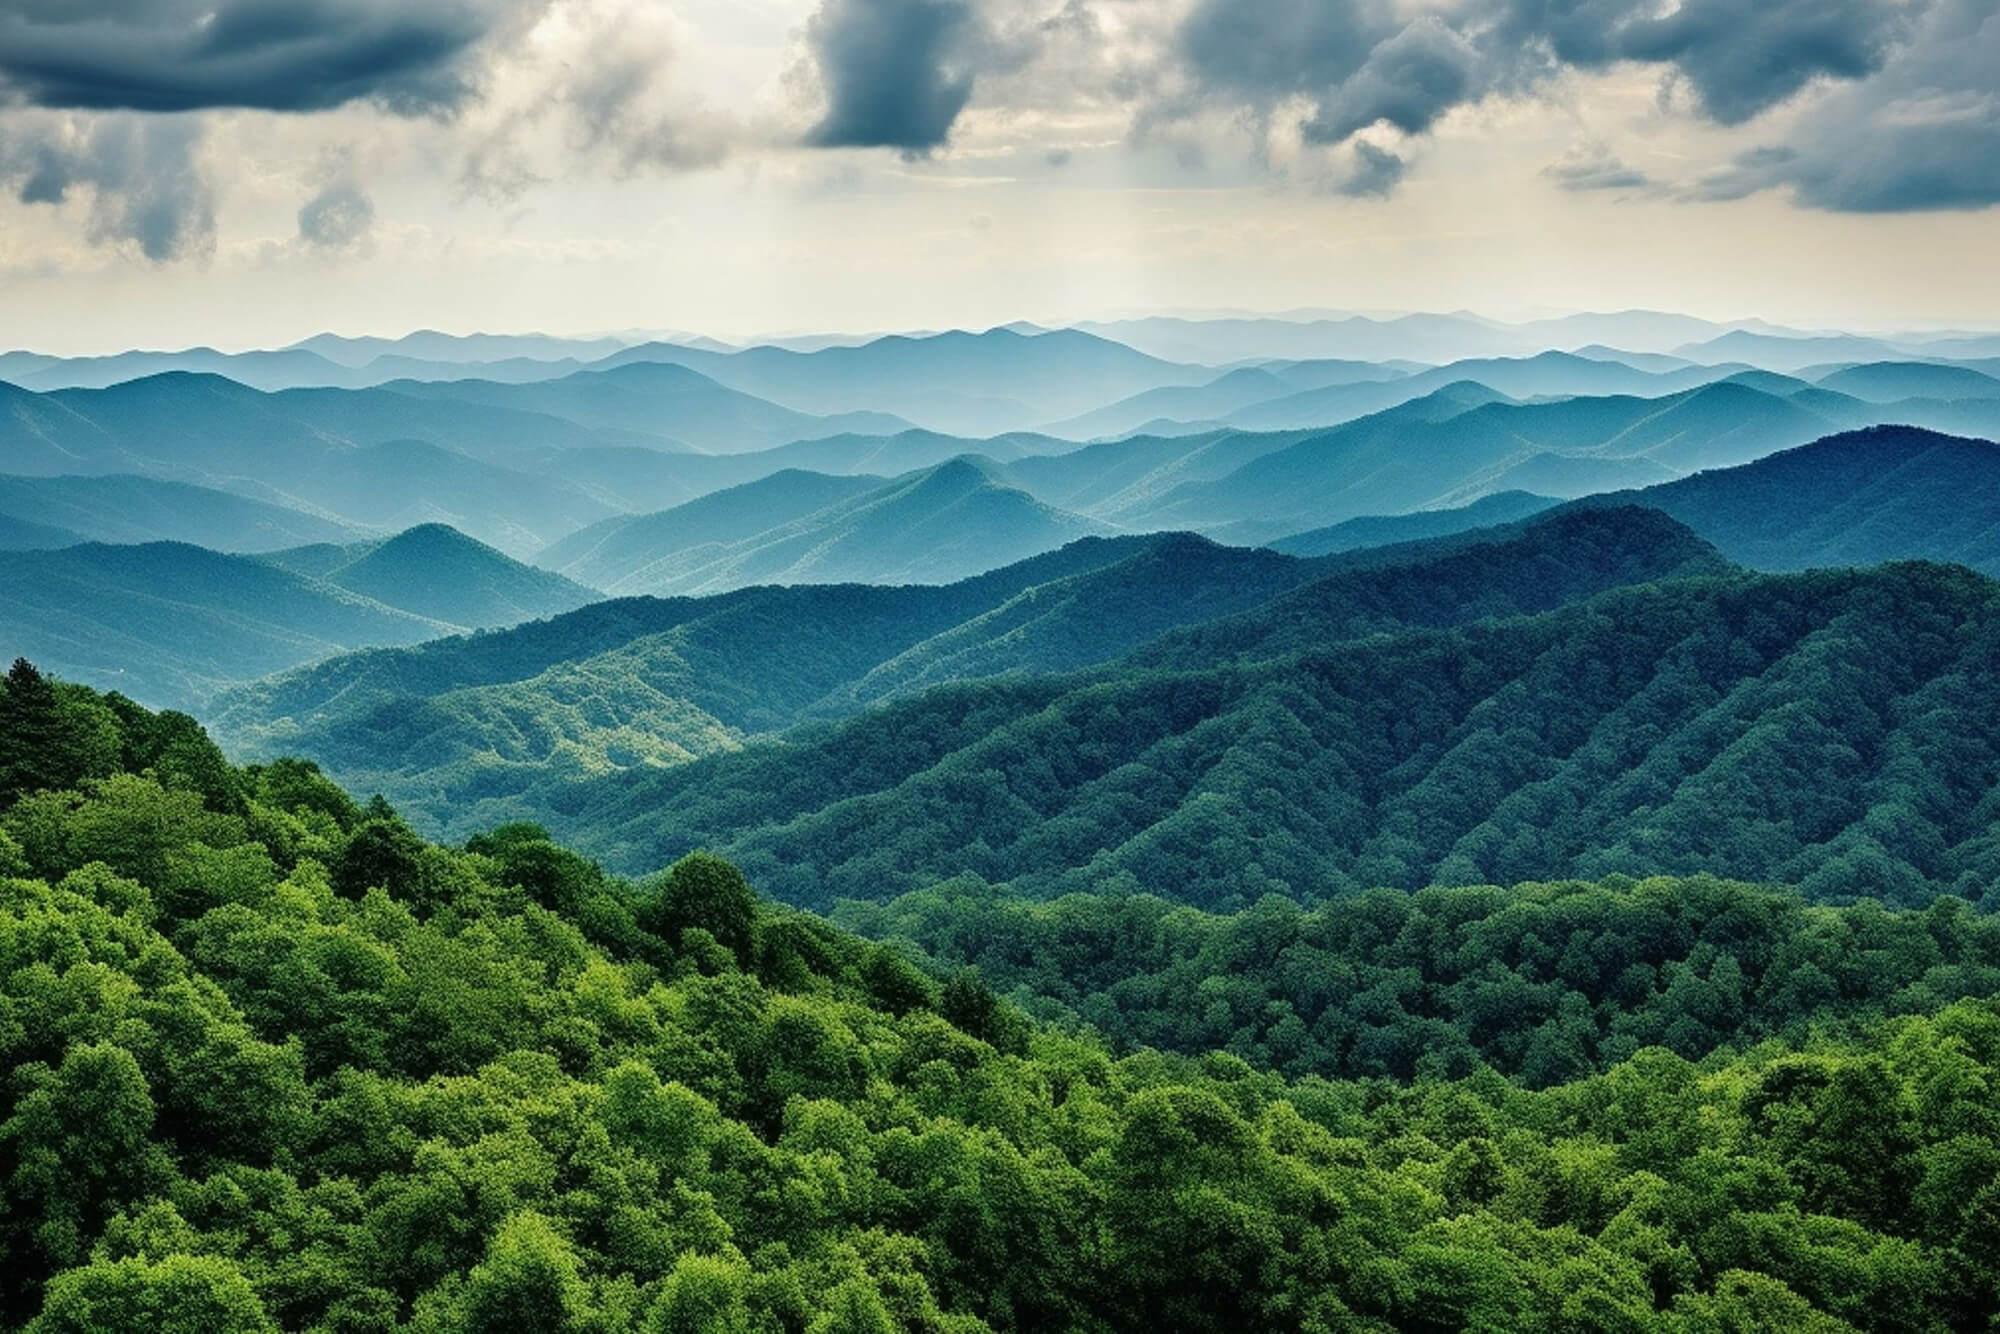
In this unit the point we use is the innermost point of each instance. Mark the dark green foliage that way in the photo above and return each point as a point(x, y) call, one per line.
point(1839, 731)
point(700, 892)
point(243, 1101)
point(497, 727)
point(1538, 981)
point(1888, 493)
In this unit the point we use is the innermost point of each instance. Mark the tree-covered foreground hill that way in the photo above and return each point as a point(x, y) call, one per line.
point(276, 1062)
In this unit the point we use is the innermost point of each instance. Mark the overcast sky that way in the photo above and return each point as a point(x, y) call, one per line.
point(245, 172)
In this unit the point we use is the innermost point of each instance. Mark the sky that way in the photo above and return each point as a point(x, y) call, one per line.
point(247, 172)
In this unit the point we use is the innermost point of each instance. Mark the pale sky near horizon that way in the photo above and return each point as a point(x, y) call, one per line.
point(245, 173)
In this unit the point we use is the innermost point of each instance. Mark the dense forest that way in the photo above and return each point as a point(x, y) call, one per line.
point(280, 1062)
point(1836, 730)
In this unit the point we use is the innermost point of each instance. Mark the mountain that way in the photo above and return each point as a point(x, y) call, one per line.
point(1386, 530)
point(263, 370)
point(963, 383)
point(1888, 381)
point(1786, 352)
point(1860, 498)
point(516, 725)
point(617, 554)
point(1434, 338)
point(1833, 730)
point(123, 509)
point(1453, 446)
point(658, 399)
point(1128, 475)
point(439, 573)
point(1545, 375)
point(430, 345)
point(17, 534)
point(211, 431)
point(931, 527)
point(491, 726)
point(1307, 727)
point(1231, 392)
point(169, 624)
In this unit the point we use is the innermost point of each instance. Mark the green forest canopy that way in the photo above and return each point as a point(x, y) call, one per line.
point(279, 1062)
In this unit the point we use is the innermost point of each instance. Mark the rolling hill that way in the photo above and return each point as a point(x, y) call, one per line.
point(210, 431)
point(439, 573)
point(1386, 530)
point(170, 624)
point(962, 383)
point(506, 726)
point(123, 509)
point(616, 554)
point(1836, 730)
point(658, 399)
point(930, 527)
point(1888, 381)
point(1859, 498)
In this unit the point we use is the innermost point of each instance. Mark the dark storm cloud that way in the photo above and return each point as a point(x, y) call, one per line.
point(1923, 134)
point(1361, 63)
point(1408, 81)
point(1741, 59)
point(897, 73)
point(146, 188)
point(411, 56)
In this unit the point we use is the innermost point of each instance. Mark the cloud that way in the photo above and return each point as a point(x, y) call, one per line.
point(1742, 60)
point(146, 186)
point(615, 87)
point(273, 55)
point(1922, 134)
point(896, 73)
point(338, 217)
point(1376, 173)
point(1338, 68)
point(1595, 167)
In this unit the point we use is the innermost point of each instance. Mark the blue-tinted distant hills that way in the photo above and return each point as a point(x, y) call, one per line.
point(437, 572)
point(963, 383)
point(936, 525)
point(127, 509)
point(658, 398)
point(1387, 530)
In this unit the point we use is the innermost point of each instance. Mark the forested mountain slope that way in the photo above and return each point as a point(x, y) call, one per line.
point(1836, 730)
point(1888, 493)
point(437, 572)
point(614, 555)
point(473, 731)
point(172, 624)
point(282, 1064)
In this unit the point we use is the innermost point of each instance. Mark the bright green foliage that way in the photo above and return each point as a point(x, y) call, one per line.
point(182, 1294)
point(485, 1093)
